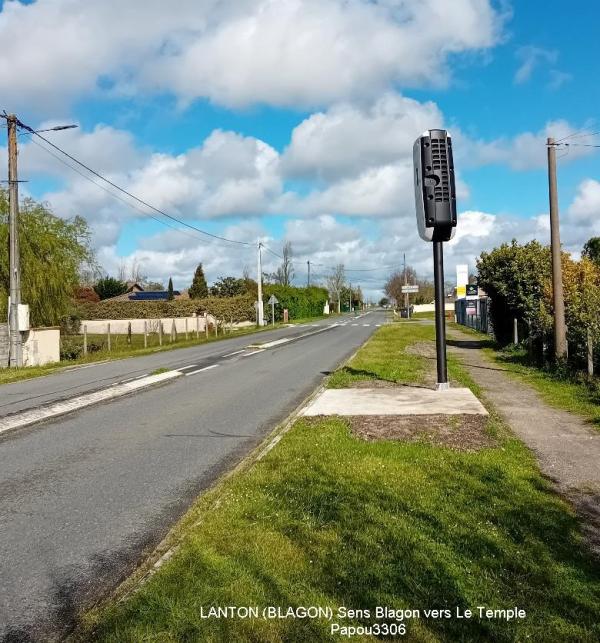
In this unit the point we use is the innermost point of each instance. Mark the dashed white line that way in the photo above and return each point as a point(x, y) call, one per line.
point(201, 370)
point(366, 324)
point(260, 350)
point(234, 353)
point(184, 368)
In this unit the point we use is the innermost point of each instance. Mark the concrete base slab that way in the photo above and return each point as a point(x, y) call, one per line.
point(403, 400)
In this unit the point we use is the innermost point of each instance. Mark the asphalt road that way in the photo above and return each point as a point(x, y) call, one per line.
point(84, 497)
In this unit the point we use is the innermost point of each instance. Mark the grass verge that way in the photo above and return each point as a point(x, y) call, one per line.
point(330, 520)
point(121, 349)
point(564, 392)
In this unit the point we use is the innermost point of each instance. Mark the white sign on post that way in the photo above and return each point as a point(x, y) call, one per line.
point(410, 288)
point(273, 300)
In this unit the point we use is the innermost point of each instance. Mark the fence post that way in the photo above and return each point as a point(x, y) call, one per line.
point(129, 333)
point(515, 331)
point(206, 324)
point(197, 326)
point(160, 332)
point(108, 336)
point(173, 332)
point(590, 353)
point(216, 327)
point(145, 334)
point(186, 329)
point(85, 340)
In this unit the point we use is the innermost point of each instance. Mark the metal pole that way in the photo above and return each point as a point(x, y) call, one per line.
point(440, 319)
point(590, 353)
point(273, 313)
point(16, 342)
point(260, 311)
point(560, 333)
point(515, 331)
point(308, 281)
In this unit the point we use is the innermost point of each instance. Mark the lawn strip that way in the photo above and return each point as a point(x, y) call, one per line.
point(329, 519)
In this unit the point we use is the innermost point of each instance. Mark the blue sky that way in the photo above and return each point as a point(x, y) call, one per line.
point(293, 120)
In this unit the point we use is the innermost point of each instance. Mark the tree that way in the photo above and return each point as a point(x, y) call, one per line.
point(53, 251)
point(335, 283)
point(153, 285)
point(199, 288)
point(384, 301)
point(393, 286)
point(285, 273)
point(170, 295)
point(108, 287)
point(229, 287)
point(581, 282)
point(591, 250)
point(514, 277)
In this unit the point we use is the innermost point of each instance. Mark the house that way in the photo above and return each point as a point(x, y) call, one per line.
point(136, 292)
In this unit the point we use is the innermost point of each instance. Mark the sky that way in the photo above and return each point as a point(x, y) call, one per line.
point(293, 120)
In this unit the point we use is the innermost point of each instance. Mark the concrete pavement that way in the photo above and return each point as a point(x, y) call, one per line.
point(86, 496)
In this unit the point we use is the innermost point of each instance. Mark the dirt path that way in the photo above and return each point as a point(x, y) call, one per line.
point(568, 449)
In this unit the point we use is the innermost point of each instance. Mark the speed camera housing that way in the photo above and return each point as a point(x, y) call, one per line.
point(435, 193)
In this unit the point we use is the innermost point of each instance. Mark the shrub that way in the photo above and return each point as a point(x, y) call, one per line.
point(227, 308)
point(300, 302)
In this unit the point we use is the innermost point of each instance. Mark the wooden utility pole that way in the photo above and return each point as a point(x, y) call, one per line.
point(560, 333)
point(308, 280)
point(16, 343)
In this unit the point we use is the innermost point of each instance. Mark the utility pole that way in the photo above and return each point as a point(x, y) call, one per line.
point(308, 280)
point(259, 307)
point(406, 301)
point(350, 306)
point(16, 344)
point(560, 333)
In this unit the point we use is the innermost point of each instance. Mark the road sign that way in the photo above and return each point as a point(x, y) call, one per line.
point(273, 300)
point(410, 288)
point(471, 307)
point(472, 291)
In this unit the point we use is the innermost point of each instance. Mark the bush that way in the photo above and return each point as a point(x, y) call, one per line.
point(227, 308)
point(300, 302)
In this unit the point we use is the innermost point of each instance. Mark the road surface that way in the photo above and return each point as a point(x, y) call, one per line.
point(84, 497)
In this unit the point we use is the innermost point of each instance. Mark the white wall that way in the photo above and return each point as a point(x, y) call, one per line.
point(430, 308)
point(41, 346)
point(120, 326)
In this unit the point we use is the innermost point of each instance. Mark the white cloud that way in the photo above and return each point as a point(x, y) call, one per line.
point(531, 57)
point(526, 151)
point(347, 139)
point(281, 52)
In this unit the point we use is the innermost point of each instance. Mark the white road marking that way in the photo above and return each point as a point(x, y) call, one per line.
point(184, 368)
point(378, 325)
point(234, 353)
point(200, 370)
point(260, 350)
point(276, 342)
point(32, 416)
point(366, 324)
point(355, 324)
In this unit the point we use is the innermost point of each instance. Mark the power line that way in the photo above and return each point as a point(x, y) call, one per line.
point(129, 194)
point(110, 192)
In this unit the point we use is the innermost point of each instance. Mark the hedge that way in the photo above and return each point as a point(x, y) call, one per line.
point(300, 302)
point(226, 308)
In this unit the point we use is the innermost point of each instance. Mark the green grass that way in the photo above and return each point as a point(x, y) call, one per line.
point(383, 357)
point(326, 519)
point(577, 396)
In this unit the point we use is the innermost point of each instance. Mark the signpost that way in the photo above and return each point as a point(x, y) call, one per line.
point(435, 200)
point(273, 300)
point(406, 290)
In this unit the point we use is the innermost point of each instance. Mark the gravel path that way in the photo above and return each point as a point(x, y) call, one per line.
point(567, 448)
